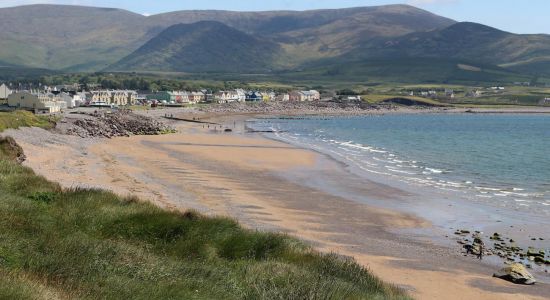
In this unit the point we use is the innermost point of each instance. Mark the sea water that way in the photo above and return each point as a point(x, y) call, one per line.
point(502, 159)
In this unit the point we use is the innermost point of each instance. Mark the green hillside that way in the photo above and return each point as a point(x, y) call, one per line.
point(350, 43)
point(407, 69)
point(77, 38)
point(202, 47)
point(63, 36)
point(464, 41)
point(8, 73)
point(310, 35)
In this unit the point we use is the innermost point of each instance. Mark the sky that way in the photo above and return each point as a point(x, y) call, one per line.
point(518, 16)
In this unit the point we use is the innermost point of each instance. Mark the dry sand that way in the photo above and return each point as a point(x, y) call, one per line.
point(243, 176)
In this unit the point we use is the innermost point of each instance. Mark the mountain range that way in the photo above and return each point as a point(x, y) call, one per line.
point(378, 41)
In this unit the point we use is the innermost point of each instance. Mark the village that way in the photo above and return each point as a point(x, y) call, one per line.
point(51, 100)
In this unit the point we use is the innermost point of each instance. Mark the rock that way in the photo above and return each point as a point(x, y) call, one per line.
point(464, 231)
point(516, 273)
point(539, 260)
point(10, 148)
point(535, 253)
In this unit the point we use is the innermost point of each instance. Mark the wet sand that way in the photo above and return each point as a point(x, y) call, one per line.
point(258, 182)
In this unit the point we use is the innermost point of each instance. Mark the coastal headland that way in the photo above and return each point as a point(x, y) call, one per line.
point(269, 185)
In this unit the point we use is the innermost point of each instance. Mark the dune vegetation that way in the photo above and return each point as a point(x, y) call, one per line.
point(92, 244)
point(21, 118)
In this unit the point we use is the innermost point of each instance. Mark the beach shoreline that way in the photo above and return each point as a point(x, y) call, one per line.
point(226, 174)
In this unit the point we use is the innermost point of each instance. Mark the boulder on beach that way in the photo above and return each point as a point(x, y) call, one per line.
point(516, 273)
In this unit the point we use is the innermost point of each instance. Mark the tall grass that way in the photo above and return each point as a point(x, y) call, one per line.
point(92, 244)
point(21, 118)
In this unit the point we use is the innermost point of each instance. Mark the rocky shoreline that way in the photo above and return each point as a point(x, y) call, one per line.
point(506, 249)
point(318, 107)
point(109, 124)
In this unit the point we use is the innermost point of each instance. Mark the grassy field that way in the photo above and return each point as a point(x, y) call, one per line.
point(20, 118)
point(376, 98)
point(93, 244)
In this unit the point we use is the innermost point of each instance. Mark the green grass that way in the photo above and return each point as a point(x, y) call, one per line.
point(377, 98)
point(20, 118)
point(93, 244)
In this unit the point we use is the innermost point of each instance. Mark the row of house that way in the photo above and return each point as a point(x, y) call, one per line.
point(53, 101)
point(112, 97)
point(448, 93)
point(180, 97)
point(237, 95)
point(256, 96)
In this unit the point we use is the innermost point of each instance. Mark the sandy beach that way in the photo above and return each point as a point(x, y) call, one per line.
point(259, 182)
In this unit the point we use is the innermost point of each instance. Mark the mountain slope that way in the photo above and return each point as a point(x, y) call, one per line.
point(205, 46)
point(385, 20)
point(467, 41)
point(61, 36)
point(75, 38)
point(89, 38)
point(310, 35)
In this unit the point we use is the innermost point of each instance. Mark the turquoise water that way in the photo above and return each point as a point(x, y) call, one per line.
point(499, 158)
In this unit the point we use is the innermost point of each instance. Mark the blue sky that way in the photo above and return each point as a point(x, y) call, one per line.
point(519, 16)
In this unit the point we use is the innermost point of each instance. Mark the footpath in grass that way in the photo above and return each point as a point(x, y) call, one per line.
point(93, 244)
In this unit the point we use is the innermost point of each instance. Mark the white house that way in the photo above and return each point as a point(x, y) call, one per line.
point(312, 95)
point(241, 95)
point(450, 93)
point(282, 97)
point(79, 99)
point(4, 92)
point(37, 102)
point(114, 97)
point(68, 99)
